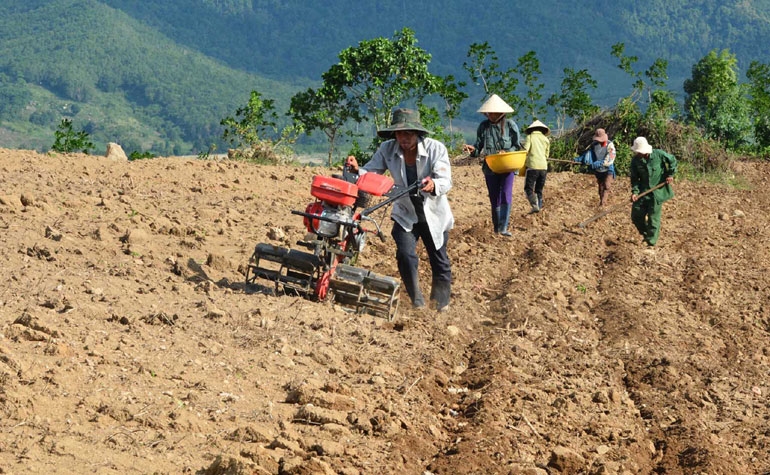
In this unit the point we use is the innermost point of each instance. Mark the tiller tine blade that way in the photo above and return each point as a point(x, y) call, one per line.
point(265, 263)
point(364, 291)
point(288, 269)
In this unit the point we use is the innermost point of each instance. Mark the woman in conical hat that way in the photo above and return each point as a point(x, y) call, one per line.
point(497, 133)
point(538, 148)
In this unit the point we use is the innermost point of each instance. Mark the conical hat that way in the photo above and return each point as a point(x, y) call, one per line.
point(495, 105)
point(537, 125)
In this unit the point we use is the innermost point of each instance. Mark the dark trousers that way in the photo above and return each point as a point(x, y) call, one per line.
point(604, 181)
point(534, 184)
point(408, 260)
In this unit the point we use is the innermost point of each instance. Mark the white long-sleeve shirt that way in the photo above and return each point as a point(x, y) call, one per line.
point(433, 161)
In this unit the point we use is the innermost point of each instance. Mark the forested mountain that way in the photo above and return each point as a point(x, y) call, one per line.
point(163, 73)
point(114, 76)
point(287, 39)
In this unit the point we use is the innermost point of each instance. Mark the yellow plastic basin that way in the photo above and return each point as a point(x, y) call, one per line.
point(506, 162)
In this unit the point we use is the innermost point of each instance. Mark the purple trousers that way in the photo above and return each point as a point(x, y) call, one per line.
point(500, 188)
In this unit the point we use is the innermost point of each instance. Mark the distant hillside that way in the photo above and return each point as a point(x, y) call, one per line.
point(295, 38)
point(161, 74)
point(121, 80)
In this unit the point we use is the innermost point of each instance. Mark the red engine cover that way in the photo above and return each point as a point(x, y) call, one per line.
point(375, 184)
point(334, 190)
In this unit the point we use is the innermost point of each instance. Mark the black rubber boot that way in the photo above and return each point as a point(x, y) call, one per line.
point(415, 295)
point(440, 293)
point(496, 219)
point(503, 219)
point(534, 203)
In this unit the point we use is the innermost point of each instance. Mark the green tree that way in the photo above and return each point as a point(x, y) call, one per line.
point(658, 104)
point(14, 96)
point(68, 140)
point(450, 93)
point(573, 100)
point(759, 92)
point(656, 75)
point(626, 63)
point(380, 74)
point(715, 101)
point(528, 68)
point(661, 109)
point(484, 69)
point(251, 123)
point(327, 109)
point(368, 82)
point(44, 117)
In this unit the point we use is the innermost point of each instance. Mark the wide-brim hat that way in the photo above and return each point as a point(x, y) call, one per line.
point(403, 119)
point(641, 146)
point(600, 135)
point(495, 105)
point(537, 125)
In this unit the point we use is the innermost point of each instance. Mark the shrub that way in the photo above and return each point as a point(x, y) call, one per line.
point(698, 154)
point(69, 141)
point(136, 155)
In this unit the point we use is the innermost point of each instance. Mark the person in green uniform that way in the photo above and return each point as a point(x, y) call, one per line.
point(649, 168)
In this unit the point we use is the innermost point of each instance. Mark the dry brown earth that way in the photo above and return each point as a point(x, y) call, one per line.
point(129, 343)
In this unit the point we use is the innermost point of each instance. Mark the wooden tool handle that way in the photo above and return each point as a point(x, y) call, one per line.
point(618, 206)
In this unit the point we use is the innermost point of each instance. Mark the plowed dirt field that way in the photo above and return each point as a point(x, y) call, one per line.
point(129, 342)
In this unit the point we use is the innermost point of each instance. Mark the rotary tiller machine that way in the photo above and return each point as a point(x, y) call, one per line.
point(335, 237)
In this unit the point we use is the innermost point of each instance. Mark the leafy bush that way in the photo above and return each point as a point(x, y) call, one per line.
point(252, 122)
point(69, 141)
point(136, 155)
point(704, 155)
point(252, 133)
point(563, 147)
